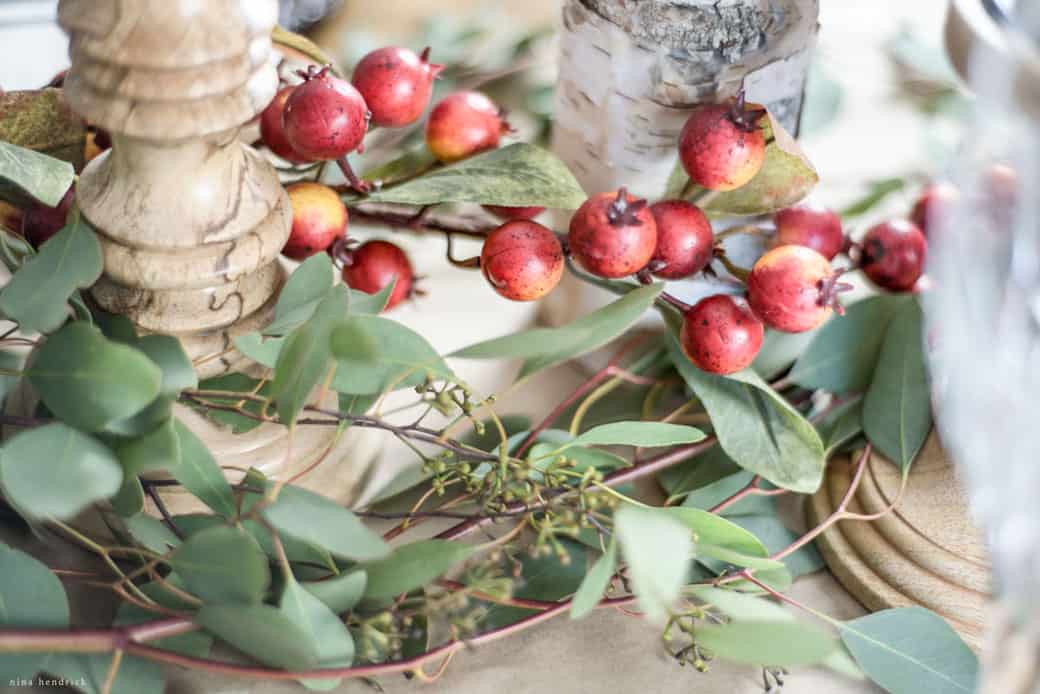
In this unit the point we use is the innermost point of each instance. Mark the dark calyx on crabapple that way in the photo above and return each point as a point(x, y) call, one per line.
point(721, 335)
point(522, 260)
point(794, 289)
point(893, 255)
point(318, 219)
point(40, 222)
point(272, 128)
point(811, 226)
point(508, 213)
point(325, 118)
point(935, 204)
point(463, 124)
point(722, 146)
point(374, 265)
point(613, 235)
point(685, 240)
point(396, 84)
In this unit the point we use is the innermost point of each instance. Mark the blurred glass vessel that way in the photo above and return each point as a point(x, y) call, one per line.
point(984, 316)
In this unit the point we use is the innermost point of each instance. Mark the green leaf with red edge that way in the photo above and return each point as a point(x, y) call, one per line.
point(786, 177)
point(41, 120)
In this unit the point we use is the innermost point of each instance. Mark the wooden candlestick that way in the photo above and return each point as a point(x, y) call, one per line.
point(191, 220)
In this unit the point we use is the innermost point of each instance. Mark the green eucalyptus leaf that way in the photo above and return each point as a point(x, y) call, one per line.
point(37, 295)
point(756, 427)
point(595, 583)
point(312, 518)
point(843, 355)
point(877, 193)
point(412, 566)
point(238, 383)
point(159, 449)
point(341, 593)
point(409, 165)
point(41, 120)
point(168, 354)
point(27, 176)
point(262, 350)
point(711, 529)
point(328, 634)
point(545, 347)
point(261, 632)
point(657, 548)
point(517, 175)
point(199, 473)
point(195, 644)
point(90, 381)
point(910, 650)
point(779, 351)
point(308, 285)
point(767, 643)
point(222, 565)
point(897, 411)
point(129, 500)
point(55, 471)
point(30, 597)
point(776, 537)
point(545, 577)
point(374, 354)
point(699, 472)
point(639, 434)
point(362, 303)
point(843, 427)
point(90, 672)
point(151, 533)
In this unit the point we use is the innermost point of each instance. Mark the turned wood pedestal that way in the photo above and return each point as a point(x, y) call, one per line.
point(926, 552)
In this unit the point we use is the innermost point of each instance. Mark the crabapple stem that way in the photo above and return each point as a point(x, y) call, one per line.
point(748, 229)
point(469, 263)
point(740, 273)
point(356, 184)
point(676, 302)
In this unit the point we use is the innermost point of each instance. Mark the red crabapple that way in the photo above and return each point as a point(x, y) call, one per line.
point(40, 223)
point(463, 124)
point(371, 267)
point(318, 219)
point(722, 146)
point(811, 226)
point(721, 335)
point(685, 240)
point(613, 234)
point(935, 203)
point(793, 289)
point(522, 260)
point(893, 255)
point(396, 84)
point(272, 128)
point(325, 118)
point(508, 213)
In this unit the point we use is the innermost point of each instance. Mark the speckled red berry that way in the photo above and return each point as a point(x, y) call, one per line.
point(319, 218)
point(463, 124)
point(721, 335)
point(893, 255)
point(684, 240)
point(522, 260)
point(508, 213)
point(325, 118)
point(793, 289)
point(40, 223)
point(722, 146)
point(811, 226)
point(272, 128)
point(374, 265)
point(935, 204)
point(613, 234)
point(396, 84)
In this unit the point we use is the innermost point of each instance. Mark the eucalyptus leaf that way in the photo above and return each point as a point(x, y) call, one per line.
point(199, 473)
point(341, 593)
point(151, 533)
point(328, 635)
point(657, 548)
point(517, 175)
point(701, 471)
point(262, 350)
point(262, 632)
point(546, 577)
point(843, 355)
point(299, 298)
point(897, 411)
point(412, 566)
point(90, 381)
point(374, 354)
point(910, 650)
point(595, 583)
point(237, 383)
point(55, 471)
point(545, 347)
point(876, 194)
point(312, 518)
point(90, 672)
point(222, 565)
point(756, 427)
point(30, 597)
point(129, 500)
point(159, 449)
point(711, 529)
point(639, 434)
point(409, 165)
point(194, 644)
point(362, 303)
point(166, 352)
point(26, 175)
point(767, 643)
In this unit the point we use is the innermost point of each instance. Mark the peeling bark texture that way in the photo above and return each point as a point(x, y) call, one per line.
point(630, 71)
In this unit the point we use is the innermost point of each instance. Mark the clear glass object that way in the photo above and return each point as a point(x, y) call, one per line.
point(984, 317)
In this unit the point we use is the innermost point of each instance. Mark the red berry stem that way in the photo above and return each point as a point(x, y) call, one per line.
point(467, 264)
point(356, 184)
point(678, 303)
point(741, 273)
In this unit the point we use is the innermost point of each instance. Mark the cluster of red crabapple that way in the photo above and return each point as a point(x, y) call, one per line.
point(792, 287)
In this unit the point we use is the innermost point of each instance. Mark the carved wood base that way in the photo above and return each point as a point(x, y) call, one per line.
point(927, 552)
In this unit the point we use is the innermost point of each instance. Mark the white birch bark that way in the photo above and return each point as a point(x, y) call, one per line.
point(632, 70)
